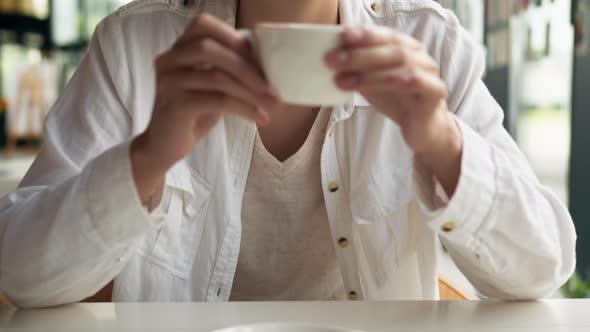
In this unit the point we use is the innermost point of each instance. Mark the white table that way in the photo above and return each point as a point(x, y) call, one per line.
point(544, 316)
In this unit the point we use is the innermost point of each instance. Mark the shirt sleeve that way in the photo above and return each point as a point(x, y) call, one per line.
point(509, 235)
point(70, 227)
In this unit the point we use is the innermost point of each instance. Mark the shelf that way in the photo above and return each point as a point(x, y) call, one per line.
point(498, 26)
point(73, 47)
point(20, 25)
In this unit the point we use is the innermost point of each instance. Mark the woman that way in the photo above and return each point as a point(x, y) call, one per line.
point(217, 191)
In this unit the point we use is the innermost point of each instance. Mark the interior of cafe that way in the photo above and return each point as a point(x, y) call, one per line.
point(537, 68)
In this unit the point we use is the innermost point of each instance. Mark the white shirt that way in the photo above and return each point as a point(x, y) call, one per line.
point(286, 251)
point(76, 221)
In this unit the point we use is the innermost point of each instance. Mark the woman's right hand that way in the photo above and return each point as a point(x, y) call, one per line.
point(209, 71)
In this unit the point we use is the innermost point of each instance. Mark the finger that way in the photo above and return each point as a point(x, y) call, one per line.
point(376, 35)
point(206, 122)
point(379, 57)
point(400, 80)
point(211, 52)
point(217, 81)
point(209, 26)
point(367, 58)
point(207, 102)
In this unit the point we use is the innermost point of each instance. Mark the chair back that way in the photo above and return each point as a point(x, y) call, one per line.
point(450, 292)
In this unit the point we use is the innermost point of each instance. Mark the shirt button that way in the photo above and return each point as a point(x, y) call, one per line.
point(333, 186)
point(449, 226)
point(343, 243)
point(331, 132)
point(353, 296)
point(376, 7)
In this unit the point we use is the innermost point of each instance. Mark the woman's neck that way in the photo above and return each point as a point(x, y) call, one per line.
point(290, 125)
point(251, 12)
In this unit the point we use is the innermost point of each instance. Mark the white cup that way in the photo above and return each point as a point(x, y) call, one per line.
point(292, 58)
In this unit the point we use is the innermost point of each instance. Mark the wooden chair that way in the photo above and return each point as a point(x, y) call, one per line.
point(103, 296)
point(448, 292)
point(3, 299)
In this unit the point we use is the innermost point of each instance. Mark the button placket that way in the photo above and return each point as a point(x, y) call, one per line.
point(187, 4)
point(449, 226)
point(340, 219)
point(189, 205)
point(333, 186)
point(376, 8)
point(344, 243)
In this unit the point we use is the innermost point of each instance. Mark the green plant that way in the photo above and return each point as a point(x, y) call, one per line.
point(577, 287)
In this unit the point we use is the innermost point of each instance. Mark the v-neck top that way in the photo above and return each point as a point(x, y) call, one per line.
point(286, 250)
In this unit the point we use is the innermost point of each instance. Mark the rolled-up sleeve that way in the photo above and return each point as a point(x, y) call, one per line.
point(69, 228)
point(509, 235)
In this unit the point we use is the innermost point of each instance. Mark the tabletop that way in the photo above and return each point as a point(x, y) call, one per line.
point(479, 316)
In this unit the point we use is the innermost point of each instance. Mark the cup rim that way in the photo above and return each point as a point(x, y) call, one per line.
point(299, 26)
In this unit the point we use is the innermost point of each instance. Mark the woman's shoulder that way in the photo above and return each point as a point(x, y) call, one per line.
point(145, 27)
point(138, 7)
point(421, 13)
point(141, 17)
point(419, 7)
point(426, 20)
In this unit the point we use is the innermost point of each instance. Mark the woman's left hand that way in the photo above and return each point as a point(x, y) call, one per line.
point(400, 79)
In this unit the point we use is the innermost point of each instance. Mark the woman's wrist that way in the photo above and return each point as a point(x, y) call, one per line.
point(444, 159)
point(149, 176)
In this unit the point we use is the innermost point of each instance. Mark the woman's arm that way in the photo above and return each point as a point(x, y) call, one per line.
point(513, 239)
point(508, 234)
point(69, 228)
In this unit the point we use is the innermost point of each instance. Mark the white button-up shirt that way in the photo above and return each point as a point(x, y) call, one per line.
point(76, 222)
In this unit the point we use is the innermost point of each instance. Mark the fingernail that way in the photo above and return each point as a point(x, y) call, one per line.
point(271, 103)
point(272, 91)
point(341, 57)
point(264, 118)
point(271, 99)
point(406, 78)
point(262, 112)
point(337, 58)
point(353, 35)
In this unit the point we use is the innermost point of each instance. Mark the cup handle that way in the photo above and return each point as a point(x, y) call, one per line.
point(253, 45)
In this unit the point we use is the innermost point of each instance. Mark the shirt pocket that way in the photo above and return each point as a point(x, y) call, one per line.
point(382, 225)
point(388, 188)
point(174, 244)
point(387, 247)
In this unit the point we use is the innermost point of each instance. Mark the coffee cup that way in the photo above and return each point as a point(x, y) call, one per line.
point(292, 58)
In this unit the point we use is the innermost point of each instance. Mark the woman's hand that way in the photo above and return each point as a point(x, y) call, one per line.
point(207, 72)
point(400, 79)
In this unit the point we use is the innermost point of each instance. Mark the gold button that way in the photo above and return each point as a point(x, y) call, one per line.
point(331, 131)
point(343, 243)
point(353, 296)
point(449, 226)
point(333, 186)
point(376, 7)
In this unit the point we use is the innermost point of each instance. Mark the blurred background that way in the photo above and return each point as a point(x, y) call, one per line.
point(538, 64)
